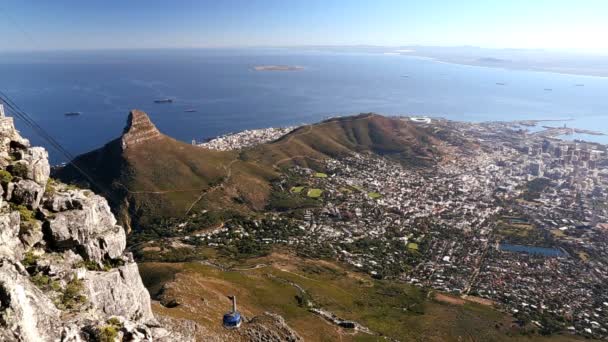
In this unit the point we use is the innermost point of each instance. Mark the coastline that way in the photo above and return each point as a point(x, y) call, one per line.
point(560, 71)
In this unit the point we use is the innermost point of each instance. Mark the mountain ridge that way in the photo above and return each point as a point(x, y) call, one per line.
point(152, 176)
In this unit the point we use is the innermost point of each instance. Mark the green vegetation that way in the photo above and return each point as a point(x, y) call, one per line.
point(346, 190)
point(19, 170)
point(535, 187)
point(285, 201)
point(374, 195)
point(94, 266)
point(314, 193)
point(412, 246)
point(320, 175)
point(297, 189)
point(523, 233)
point(108, 333)
point(50, 188)
point(390, 309)
point(29, 259)
point(26, 214)
point(5, 176)
point(358, 188)
point(114, 322)
point(44, 282)
point(72, 295)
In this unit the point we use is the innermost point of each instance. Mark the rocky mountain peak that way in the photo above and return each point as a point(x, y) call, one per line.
point(65, 274)
point(139, 129)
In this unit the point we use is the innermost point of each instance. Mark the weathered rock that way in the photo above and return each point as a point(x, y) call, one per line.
point(9, 191)
point(28, 193)
point(10, 245)
point(78, 225)
point(269, 327)
point(65, 200)
point(174, 329)
point(9, 136)
point(36, 160)
point(30, 233)
point(92, 230)
point(71, 333)
point(120, 292)
point(26, 314)
point(139, 129)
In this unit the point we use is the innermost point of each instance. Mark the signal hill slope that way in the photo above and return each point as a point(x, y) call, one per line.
point(149, 176)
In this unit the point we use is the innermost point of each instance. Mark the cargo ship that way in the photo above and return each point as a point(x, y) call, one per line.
point(164, 101)
point(72, 113)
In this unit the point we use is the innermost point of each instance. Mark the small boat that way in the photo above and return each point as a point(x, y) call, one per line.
point(72, 113)
point(164, 101)
point(580, 85)
point(500, 83)
point(190, 110)
point(548, 89)
point(405, 76)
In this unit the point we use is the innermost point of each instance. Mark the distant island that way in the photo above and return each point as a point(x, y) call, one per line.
point(278, 68)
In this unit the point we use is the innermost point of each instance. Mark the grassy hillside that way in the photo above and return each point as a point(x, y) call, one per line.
point(165, 178)
point(387, 308)
point(401, 140)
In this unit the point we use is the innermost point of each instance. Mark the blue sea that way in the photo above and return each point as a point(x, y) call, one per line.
point(229, 95)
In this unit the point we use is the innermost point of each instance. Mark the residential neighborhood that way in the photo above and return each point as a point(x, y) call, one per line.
point(517, 222)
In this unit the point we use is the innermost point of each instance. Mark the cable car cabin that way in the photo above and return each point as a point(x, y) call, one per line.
point(232, 319)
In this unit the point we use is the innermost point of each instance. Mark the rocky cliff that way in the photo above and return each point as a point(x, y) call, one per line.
point(64, 272)
point(139, 129)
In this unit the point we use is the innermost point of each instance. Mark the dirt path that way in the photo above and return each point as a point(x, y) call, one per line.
point(205, 191)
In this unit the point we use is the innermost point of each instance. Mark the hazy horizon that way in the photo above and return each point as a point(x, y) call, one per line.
point(155, 24)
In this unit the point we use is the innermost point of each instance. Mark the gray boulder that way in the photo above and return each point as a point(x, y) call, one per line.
point(36, 160)
point(10, 245)
point(65, 200)
point(9, 191)
point(30, 234)
point(120, 292)
point(92, 230)
point(28, 193)
point(26, 314)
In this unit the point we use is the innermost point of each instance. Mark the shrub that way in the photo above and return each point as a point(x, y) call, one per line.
point(88, 264)
point(112, 263)
point(26, 214)
point(108, 333)
point(5, 176)
point(41, 280)
point(72, 296)
point(50, 189)
point(114, 322)
point(19, 170)
point(45, 282)
point(72, 187)
point(94, 266)
point(30, 259)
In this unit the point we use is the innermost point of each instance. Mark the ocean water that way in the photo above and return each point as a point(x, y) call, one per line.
point(229, 95)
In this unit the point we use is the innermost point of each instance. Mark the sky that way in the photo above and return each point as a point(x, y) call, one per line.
point(118, 24)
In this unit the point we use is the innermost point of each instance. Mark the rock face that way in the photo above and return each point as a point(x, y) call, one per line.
point(127, 296)
point(64, 272)
point(139, 129)
point(87, 225)
point(269, 327)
